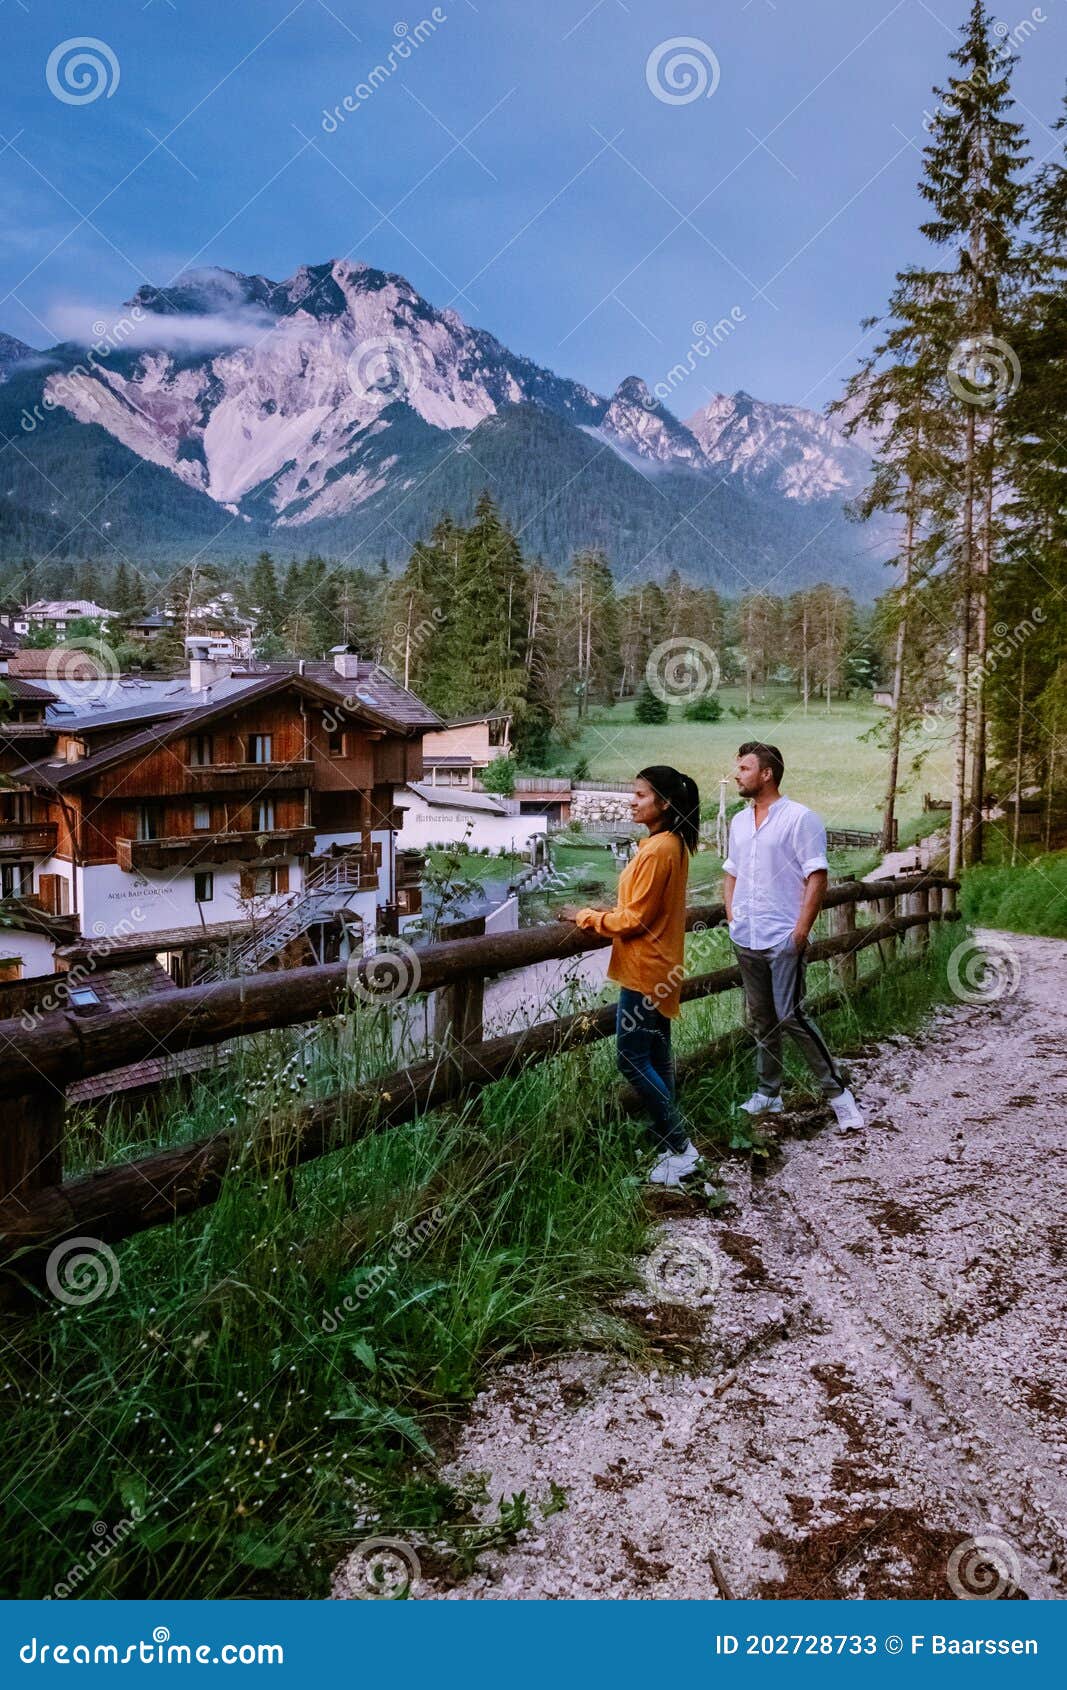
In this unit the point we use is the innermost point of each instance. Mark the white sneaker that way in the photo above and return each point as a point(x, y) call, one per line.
point(760, 1104)
point(847, 1110)
point(675, 1166)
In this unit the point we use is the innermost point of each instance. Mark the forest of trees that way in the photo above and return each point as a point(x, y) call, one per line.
point(965, 391)
point(471, 625)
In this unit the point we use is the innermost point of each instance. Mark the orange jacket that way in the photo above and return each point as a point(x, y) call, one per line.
point(647, 925)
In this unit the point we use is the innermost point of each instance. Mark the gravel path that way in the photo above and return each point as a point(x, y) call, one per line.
point(862, 1363)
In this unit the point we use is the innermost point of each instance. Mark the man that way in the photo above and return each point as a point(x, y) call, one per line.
point(774, 882)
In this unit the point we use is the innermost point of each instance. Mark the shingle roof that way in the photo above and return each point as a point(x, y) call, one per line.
point(458, 798)
point(48, 774)
point(62, 608)
point(19, 688)
point(375, 687)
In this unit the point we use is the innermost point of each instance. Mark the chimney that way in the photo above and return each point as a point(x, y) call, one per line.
point(206, 666)
point(346, 662)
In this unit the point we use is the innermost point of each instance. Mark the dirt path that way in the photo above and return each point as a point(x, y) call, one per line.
point(864, 1361)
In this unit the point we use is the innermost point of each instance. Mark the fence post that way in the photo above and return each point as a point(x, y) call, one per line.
point(934, 903)
point(923, 900)
point(459, 1012)
point(916, 938)
point(844, 921)
point(887, 948)
point(31, 1149)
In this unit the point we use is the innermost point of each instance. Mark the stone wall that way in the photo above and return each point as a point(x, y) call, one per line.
point(600, 809)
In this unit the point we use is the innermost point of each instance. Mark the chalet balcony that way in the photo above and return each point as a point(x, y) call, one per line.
point(410, 868)
point(27, 839)
point(188, 849)
point(348, 871)
point(293, 776)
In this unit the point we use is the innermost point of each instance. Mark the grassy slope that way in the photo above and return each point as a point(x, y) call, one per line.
point(829, 765)
point(271, 1380)
point(1030, 898)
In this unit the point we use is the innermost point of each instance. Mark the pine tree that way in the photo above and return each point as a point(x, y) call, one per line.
point(126, 594)
point(1028, 679)
point(415, 616)
point(973, 181)
point(263, 598)
point(592, 628)
point(898, 396)
point(650, 710)
point(87, 581)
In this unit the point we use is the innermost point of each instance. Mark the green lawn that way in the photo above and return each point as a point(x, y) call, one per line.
point(832, 760)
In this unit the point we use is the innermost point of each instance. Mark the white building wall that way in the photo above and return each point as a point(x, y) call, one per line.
point(36, 950)
point(444, 824)
point(111, 900)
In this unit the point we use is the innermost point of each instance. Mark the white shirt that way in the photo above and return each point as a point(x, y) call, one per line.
point(770, 864)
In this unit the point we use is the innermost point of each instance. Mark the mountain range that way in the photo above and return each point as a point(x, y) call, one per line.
point(339, 411)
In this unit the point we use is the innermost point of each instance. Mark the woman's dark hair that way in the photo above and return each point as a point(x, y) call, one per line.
point(679, 793)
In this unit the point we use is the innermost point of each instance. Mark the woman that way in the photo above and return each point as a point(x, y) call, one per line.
point(647, 930)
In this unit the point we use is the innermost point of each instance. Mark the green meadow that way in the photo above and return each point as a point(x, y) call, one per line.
point(835, 759)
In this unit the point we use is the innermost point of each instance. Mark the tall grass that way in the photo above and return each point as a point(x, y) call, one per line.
point(1029, 898)
point(260, 1379)
point(280, 1375)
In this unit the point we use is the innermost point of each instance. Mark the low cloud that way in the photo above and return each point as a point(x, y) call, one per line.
point(134, 328)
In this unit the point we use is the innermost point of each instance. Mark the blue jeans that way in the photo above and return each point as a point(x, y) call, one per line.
point(643, 1044)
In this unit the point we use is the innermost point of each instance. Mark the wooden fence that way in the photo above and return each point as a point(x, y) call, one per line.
point(38, 1209)
point(848, 838)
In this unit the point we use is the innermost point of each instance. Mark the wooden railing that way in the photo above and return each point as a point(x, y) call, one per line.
point(858, 838)
point(34, 839)
point(42, 1056)
point(188, 849)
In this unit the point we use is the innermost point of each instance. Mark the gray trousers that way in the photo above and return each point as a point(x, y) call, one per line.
point(773, 983)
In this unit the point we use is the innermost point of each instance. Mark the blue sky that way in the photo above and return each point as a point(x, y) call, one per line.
point(516, 165)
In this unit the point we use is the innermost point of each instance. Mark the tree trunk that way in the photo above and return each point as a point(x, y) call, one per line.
point(1051, 781)
point(1019, 760)
point(963, 656)
point(976, 839)
point(898, 679)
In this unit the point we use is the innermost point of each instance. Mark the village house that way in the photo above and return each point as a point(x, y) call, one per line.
point(456, 753)
point(143, 812)
point(57, 615)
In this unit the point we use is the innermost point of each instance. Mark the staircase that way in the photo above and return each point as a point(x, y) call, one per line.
point(327, 889)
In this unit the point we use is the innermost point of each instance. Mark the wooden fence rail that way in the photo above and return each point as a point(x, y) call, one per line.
point(37, 1208)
